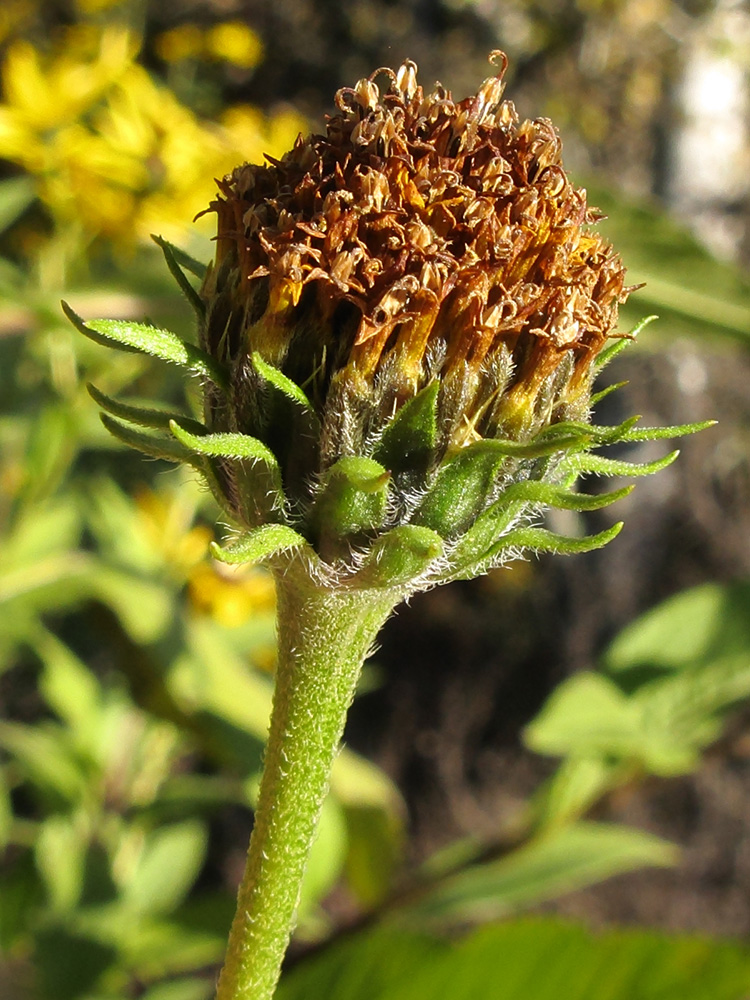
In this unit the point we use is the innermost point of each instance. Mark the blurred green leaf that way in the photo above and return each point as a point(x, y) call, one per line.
point(576, 786)
point(376, 844)
point(181, 989)
point(691, 290)
point(326, 858)
point(530, 959)
point(575, 856)
point(68, 686)
point(60, 854)
point(69, 964)
point(44, 754)
point(586, 715)
point(169, 864)
point(145, 607)
point(16, 195)
point(22, 893)
point(695, 626)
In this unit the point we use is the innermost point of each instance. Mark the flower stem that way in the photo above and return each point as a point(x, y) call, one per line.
point(324, 636)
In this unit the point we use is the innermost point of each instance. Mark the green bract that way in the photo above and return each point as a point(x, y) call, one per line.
point(403, 514)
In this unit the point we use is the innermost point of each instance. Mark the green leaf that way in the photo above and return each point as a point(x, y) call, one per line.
point(534, 958)
point(409, 440)
point(69, 688)
point(69, 964)
point(659, 433)
point(170, 256)
point(145, 607)
point(327, 858)
point(183, 258)
point(577, 785)
point(131, 336)
point(60, 852)
point(400, 556)
point(598, 465)
point(16, 195)
point(562, 861)
point(170, 861)
point(180, 989)
point(376, 848)
point(44, 754)
point(150, 444)
point(693, 628)
point(142, 416)
point(280, 381)
point(597, 397)
point(265, 543)
point(542, 540)
point(226, 445)
point(620, 344)
point(489, 527)
point(661, 726)
point(265, 489)
point(353, 499)
point(588, 716)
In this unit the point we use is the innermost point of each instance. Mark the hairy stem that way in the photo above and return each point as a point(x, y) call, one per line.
point(324, 636)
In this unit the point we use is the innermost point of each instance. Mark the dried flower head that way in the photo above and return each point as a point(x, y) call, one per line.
point(399, 336)
point(419, 239)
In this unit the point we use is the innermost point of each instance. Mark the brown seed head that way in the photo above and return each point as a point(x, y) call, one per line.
point(420, 238)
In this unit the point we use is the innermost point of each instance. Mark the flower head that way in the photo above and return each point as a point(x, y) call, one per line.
point(399, 336)
point(419, 239)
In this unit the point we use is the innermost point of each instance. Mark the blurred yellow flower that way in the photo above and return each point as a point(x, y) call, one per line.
point(231, 595)
point(228, 41)
point(166, 520)
point(112, 150)
point(234, 42)
point(183, 42)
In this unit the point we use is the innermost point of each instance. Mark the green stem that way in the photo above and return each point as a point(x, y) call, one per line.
point(324, 636)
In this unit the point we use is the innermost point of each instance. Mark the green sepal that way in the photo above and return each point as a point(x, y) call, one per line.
point(184, 259)
point(129, 336)
point(264, 543)
point(399, 556)
point(280, 381)
point(150, 444)
point(620, 344)
point(170, 256)
point(572, 436)
point(660, 433)
point(590, 435)
point(462, 489)
point(263, 490)
point(140, 415)
point(542, 540)
point(409, 441)
point(600, 466)
point(224, 445)
point(597, 397)
point(353, 499)
point(481, 537)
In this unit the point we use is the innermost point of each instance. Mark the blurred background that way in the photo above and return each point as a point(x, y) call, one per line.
point(517, 740)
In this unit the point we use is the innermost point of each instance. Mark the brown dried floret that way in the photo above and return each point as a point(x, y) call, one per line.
point(420, 238)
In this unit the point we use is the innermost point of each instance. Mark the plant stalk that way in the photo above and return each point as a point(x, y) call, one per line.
point(324, 636)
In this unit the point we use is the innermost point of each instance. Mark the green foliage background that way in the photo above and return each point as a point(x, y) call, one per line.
point(135, 673)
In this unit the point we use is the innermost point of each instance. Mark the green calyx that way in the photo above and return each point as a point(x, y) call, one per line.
point(369, 493)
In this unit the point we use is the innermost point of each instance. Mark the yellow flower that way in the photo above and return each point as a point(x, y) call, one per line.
point(113, 151)
point(234, 42)
point(182, 42)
